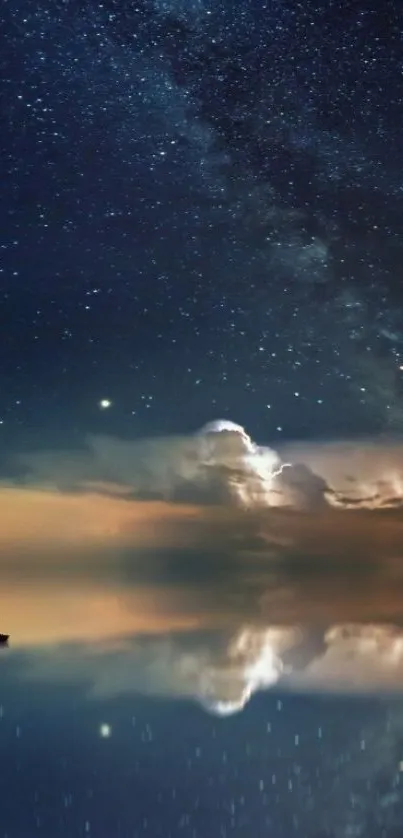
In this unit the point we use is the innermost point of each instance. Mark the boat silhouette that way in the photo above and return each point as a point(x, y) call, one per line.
point(4, 638)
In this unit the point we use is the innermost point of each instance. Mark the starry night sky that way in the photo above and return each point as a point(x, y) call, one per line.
point(201, 217)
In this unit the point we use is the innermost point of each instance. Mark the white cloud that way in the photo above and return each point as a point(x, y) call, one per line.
point(222, 672)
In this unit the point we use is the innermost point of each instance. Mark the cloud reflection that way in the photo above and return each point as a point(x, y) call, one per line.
point(207, 566)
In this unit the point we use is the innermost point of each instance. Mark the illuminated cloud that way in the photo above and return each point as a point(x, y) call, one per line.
point(221, 464)
point(215, 566)
point(218, 464)
point(222, 672)
point(366, 473)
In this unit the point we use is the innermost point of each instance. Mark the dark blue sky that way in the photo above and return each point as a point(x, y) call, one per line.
point(200, 217)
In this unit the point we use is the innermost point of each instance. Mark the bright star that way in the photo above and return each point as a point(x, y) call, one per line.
point(105, 731)
point(104, 404)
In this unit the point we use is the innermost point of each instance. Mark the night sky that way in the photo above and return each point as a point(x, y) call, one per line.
point(201, 218)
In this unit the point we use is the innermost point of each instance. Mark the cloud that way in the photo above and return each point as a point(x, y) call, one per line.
point(218, 464)
point(214, 566)
point(221, 464)
point(357, 657)
point(218, 671)
point(222, 671)
point(366, 473)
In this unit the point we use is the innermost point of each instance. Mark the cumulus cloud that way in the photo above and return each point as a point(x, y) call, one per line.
point(357, 657)
point(217, 567)
point(218, 464)
point(366, 473)
point(222, 671)
point(221, 463)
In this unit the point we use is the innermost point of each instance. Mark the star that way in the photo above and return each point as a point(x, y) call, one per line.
point(105, 730)
point(103, 404)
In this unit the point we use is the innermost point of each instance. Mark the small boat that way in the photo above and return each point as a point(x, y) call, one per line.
point(4, 638)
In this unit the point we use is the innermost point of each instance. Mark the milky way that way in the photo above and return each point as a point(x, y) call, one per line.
point(212, 191)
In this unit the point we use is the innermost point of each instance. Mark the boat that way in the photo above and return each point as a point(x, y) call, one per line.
point(4, 638)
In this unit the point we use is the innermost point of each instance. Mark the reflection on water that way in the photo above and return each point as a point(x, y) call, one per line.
point(149, 640)
point(166, 709)
point(288, 765)
point(234, 615)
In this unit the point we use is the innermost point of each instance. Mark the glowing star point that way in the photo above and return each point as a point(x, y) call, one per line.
point(103, 404)
point(105, 731)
